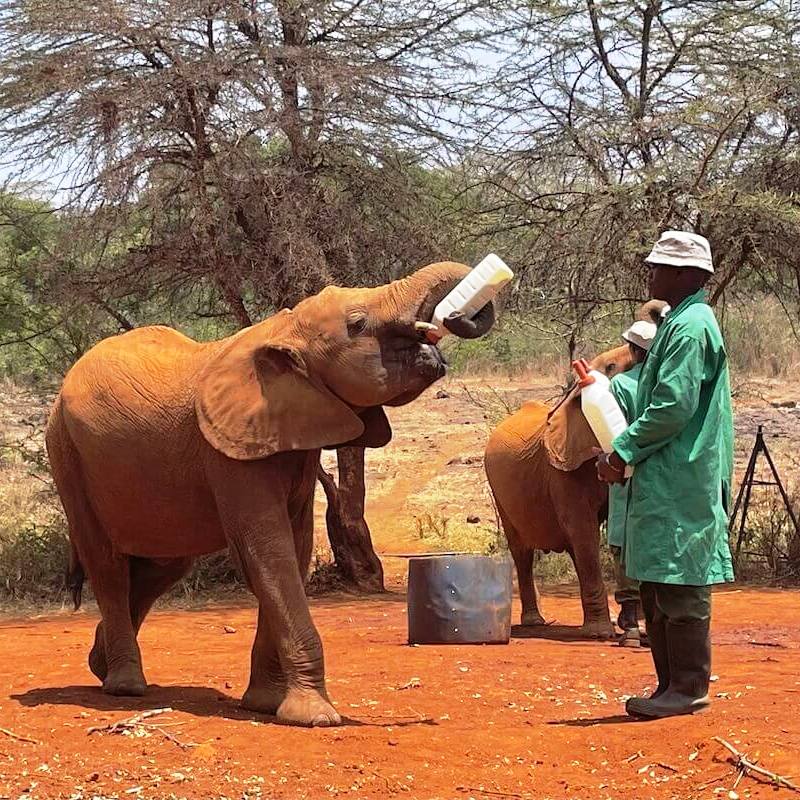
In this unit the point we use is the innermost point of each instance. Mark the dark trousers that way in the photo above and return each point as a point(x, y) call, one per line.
point(626, 588)
point(675, 603)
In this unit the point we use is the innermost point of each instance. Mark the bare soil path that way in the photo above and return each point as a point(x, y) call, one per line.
point(538, 718)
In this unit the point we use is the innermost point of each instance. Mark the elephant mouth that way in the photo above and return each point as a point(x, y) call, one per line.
point(432, 352)
point(428, 367)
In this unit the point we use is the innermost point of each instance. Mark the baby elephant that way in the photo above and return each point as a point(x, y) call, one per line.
point(163, 449)
point(540, 467)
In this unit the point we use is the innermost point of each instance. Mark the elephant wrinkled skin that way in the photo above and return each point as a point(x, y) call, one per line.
point(541, 470)
point(163, 449)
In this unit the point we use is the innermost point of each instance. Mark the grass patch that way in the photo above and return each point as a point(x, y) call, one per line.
point(442, 534)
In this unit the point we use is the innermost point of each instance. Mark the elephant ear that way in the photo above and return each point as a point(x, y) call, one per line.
point(255, 399)
point(377, 430)
point(568, 439)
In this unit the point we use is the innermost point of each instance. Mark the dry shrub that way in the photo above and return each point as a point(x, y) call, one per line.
point(771, 545)
point(760, 337)
point(33, 542)
point(444, 534)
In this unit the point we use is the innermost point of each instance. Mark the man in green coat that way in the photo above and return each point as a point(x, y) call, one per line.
point(623, 386)
point(681, 446)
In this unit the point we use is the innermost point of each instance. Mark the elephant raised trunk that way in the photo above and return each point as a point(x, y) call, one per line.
point(433, 283)
point(652, 311)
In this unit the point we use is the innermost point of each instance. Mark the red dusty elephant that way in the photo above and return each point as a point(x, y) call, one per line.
point(163, 448)
point(541, 472)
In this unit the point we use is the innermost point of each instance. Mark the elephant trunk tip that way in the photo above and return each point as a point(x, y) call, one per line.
point(75, 578)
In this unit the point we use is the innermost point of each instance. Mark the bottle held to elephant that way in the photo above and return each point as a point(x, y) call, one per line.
point(473, 292)
point(600, 407)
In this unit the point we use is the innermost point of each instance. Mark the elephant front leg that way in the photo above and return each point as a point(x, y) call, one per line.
point(253, 502)
point(287, 677)
point(288, 671)
point(268, 685)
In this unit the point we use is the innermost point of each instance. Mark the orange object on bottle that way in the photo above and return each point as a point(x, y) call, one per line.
point(599, 406)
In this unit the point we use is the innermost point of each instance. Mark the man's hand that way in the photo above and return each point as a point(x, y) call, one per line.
point(610, 467)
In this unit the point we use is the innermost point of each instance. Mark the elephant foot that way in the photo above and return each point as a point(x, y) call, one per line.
point(126, 680)
point(266, 699)
point(533, 619)
point(97, 656)
point(598, 629)
point(306, 707)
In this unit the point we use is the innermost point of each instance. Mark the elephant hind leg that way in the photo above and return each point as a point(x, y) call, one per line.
point(523, 561)
point(148, 581)
point(121, 670)
point(107, 569)
point(120, 667)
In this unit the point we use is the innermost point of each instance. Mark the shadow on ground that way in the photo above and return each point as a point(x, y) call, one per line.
point(614, 719)
point(198, 701)
point(555, 633)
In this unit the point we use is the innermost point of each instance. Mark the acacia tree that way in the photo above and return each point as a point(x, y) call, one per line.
point(619, 120)
point(248, 152)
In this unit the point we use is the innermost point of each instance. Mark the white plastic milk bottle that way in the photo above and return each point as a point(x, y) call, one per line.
point(600, 407)
point(474, 291)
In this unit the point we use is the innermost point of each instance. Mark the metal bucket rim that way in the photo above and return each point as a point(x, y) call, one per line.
point(471, 556)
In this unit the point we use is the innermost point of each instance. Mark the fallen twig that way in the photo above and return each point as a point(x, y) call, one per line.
point(718, 779)
point(767, 644)
point(488, 792)
point(16, 736)
point(131, 724)
point(667, 766)
point(745, 766)
point(629, 759)
point(414, 683)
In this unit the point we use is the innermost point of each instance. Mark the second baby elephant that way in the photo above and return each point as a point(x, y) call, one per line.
point(163, 448)
point(540, 467)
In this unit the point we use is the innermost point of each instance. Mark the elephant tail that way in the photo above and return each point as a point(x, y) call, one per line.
point(75, 577)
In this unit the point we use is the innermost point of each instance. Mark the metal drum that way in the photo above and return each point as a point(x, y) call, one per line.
point(459, 599)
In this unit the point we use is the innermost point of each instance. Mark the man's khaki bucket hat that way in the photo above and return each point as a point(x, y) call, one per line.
point(681, 249)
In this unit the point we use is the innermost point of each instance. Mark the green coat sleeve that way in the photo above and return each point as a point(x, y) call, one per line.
point(625, 401)
point(674, 400)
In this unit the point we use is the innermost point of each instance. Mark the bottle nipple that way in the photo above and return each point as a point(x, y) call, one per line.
point(581, 367)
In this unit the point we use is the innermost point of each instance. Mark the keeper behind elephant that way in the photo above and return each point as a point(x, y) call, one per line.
point(623, 386)
point(539, 464)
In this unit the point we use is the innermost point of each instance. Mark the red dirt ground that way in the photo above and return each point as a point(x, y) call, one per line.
point(538, 718)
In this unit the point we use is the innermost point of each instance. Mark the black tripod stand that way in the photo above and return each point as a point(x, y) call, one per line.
point(749, 481)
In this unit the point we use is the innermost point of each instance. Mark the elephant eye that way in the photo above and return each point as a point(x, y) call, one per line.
point(356, 326)
point(611, 368)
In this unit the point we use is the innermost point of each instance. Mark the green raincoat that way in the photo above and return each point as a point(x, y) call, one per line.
point(681, 444)
point(623, 387)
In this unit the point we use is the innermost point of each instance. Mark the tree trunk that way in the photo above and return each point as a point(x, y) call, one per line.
point(355, 559)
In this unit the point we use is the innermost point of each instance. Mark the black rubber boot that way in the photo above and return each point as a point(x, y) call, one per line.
point(628, 623)
point(689, 648)
point(657, 639)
